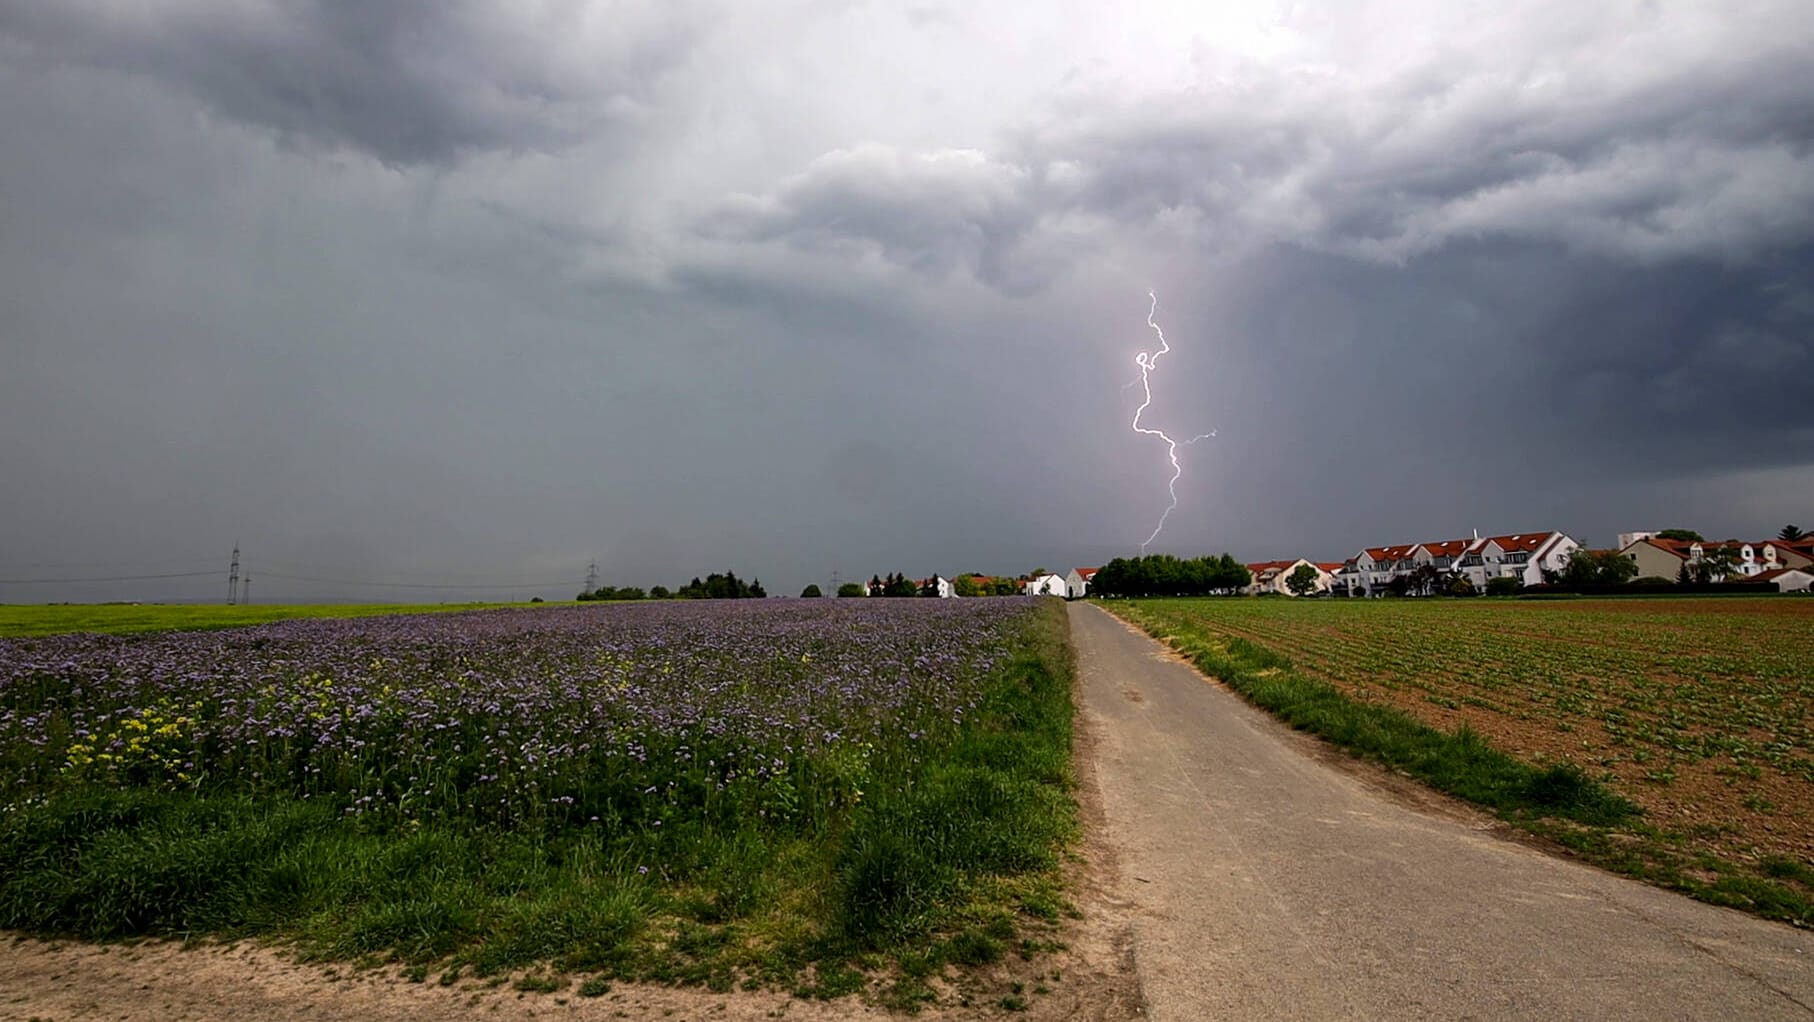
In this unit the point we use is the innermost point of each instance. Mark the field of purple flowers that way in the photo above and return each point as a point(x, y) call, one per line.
point(570, 714)
point(670, 751)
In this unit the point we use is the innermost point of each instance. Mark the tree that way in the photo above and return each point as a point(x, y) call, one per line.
point(1301, 580)
point(1503, 586)
point(1714, 564)
point(1685, 535)
point(660, 593)
point(1790, 534)
point(1165, 575)
point(721, 587)
point(850, 589)
point(899, 585)
point(876, 586)
point(931, 587)
point(1003, 587)
point(1596, 568)
point(965, 585)
point(1423, 580)
point(811, 592)
point(1456, 584)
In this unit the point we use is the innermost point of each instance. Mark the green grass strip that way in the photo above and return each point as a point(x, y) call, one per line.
point(1461, 762)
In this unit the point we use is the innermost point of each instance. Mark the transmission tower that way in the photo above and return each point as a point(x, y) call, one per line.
point(592, 577)
point(834, 584)
point(233, 578)
point(245, 591)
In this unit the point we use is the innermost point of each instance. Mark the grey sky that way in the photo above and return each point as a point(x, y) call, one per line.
point(438, 292)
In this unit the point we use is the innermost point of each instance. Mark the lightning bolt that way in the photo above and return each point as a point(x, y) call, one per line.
point(1148, 361)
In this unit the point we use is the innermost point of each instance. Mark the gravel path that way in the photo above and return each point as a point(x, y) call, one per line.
point(1266, 879)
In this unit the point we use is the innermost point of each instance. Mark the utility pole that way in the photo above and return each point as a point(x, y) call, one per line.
point(592, 577)
point(233, 578)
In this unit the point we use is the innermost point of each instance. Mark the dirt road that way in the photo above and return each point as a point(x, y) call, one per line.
point(1267, 881)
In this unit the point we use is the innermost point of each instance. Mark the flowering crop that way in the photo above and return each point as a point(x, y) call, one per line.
point(619, 715)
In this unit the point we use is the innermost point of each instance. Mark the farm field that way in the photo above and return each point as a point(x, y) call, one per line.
point(1701, 712)
point(18, 620)
point(713, 792)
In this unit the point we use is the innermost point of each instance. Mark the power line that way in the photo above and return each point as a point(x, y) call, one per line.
point(110, 578)
point(447, 578)
point(412, 585)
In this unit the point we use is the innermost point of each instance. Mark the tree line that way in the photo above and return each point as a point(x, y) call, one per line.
point(713, 587)
point(1166, 575)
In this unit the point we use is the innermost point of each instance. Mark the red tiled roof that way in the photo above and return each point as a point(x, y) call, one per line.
point(1263, 566)
point(1087, 573)
point(1773, 574)
point(1331, 566)
point(1447, 548)
point(1676, 547)
point(1526, 541)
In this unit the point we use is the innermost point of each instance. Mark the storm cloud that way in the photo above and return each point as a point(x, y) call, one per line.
point(412, 292)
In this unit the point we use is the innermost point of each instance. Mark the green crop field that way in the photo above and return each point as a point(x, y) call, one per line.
point(118, 618)
point(1700, 712)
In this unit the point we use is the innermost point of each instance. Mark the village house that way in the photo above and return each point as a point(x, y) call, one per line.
point(940, 584)
point(1772, 555)
point(1047, 584)
point(1522, 556)
point(1077, 583)
point(1787, 580)
point(1660, 558)
point(1275, 576)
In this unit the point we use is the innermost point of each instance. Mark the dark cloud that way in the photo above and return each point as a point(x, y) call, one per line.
point(407, 81)
point(812, 290)
point(1713, 158)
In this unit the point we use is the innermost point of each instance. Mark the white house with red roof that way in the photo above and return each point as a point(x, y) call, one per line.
point(1523, 556)
point(1771, 555)
point(1788, 580)
point(1048, 584)
point(1275, 576)
point(1077, 583)
point(939, 584)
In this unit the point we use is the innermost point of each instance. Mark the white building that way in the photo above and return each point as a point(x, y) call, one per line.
point(1275, 576)
point(1628, 538)
point(1769, 555)
point(1788, 580)
point(1523, 556)
point(942, 584)
point(1044, 585)
point(1077, 583)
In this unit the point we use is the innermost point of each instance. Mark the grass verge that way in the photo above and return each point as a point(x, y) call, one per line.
point(1560, 801)
point(949, 863)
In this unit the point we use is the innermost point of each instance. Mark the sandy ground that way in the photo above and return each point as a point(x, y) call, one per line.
point(1092, 979)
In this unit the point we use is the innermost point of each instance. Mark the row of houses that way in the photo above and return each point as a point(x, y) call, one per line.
point(1525, 557)
point(1522, 557)
point(1768, 560)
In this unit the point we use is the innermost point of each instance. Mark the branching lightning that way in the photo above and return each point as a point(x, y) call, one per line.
point(1147, 361)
